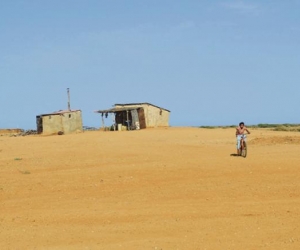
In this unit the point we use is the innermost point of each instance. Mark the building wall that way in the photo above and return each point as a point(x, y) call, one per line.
point(155, 117)
point(52, 124)
point(72, 122)
point(67, 122)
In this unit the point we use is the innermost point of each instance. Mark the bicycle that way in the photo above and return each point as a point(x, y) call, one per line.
point(243, 146)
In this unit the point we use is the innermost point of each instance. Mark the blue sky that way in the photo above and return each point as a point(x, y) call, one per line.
point(209, 62)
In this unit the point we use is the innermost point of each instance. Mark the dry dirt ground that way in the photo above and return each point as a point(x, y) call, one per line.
point(174, 188)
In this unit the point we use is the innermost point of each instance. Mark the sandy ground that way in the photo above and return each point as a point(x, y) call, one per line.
point(174, 188)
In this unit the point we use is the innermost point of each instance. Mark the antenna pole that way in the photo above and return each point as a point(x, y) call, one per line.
point(69, 105)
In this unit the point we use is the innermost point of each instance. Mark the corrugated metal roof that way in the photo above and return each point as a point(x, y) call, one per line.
point(113, 110)
point(61, 112)
point(141, 103)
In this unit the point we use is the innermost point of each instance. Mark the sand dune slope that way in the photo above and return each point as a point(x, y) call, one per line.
point(175, 188)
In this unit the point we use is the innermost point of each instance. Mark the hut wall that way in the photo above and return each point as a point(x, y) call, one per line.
point(72, 122)
point(52, 124)
point(67, 122)
point(156, 117)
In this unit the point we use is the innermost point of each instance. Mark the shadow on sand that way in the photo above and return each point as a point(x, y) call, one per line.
point(234, 155)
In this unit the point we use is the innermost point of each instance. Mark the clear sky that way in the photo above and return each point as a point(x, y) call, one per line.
point(209, 62)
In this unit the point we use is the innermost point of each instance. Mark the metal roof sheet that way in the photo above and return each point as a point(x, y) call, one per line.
point(61, 112)
point(141, 103)
point(113, 110)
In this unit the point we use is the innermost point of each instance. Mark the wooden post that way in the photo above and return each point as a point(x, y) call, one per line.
point(69, 102)
point(113, 116)
point(127, 117)
point(103, 125)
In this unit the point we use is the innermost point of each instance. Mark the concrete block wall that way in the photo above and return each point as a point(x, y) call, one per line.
point(68, 122)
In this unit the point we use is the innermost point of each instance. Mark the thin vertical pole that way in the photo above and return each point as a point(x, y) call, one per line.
point(103, 125)
point(113, 117)
point(127, 119)
point(69, 104)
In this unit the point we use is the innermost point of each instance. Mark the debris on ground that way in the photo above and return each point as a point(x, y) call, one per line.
point(87, 128)
point(25, 133)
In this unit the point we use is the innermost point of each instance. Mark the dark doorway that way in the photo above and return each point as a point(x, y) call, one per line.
point(123, 117)
point(129, 118)
point(39, 124)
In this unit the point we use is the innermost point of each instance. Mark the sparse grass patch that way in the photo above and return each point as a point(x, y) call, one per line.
point(24, 171)
point(281, 128)
point(287, 128)
point(18, 159)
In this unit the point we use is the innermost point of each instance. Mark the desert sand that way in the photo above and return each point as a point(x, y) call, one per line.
point(170, 188)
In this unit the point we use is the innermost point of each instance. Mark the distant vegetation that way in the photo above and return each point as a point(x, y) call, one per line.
point(274, 127)
point(280, 127)
point(213, 127)
point(208, 127)
point(266, 125)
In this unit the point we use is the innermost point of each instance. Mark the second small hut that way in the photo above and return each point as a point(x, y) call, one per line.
point(134, 116)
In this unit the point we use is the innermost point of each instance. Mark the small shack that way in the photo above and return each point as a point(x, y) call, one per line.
point(136, 116)
point(63, 121)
